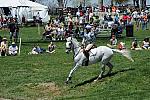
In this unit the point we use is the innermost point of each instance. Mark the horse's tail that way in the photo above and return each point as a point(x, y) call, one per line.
point(126, 53)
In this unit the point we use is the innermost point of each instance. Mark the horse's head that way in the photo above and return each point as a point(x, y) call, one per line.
point(69, 45)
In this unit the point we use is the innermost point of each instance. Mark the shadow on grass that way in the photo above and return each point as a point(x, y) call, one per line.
point(94, 78)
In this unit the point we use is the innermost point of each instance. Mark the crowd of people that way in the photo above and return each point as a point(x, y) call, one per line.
point(84, 24)
point(134, 45)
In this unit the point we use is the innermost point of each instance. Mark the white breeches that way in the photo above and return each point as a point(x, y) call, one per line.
point(89, 46)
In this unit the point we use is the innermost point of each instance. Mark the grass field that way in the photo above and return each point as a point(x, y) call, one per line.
point(41, 77)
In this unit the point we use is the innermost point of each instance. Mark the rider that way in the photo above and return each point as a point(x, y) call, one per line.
point(88, 42)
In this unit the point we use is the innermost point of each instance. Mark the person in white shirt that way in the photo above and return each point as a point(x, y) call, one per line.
point(135, 14)
point(78, 13)
point(60, 32)
point(13, 49)
point(146, 43)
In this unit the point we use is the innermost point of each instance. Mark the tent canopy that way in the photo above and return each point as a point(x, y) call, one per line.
point(25, 7)
point(20, 3)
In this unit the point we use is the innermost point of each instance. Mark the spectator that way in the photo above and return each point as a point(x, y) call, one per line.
point(47, 31)
point(23, 20)
point(11, 28)
point(60, 32)
point(135, 45)
point(3, 47)
point(16, 33)
point(121, 46)
point(113, 42)
point(1, 21)
point(13, 49)
point(146, 43)
point(51, 48)
point(144, 21)
point(125, 17)
point(36, 50)
point(16, 19)
point(38, 18)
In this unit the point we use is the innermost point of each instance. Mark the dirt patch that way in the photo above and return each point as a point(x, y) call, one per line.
point(45, 88)
point(4, 99)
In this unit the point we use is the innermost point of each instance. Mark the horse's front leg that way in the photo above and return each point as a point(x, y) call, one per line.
point(101, 73)
point(71, 72)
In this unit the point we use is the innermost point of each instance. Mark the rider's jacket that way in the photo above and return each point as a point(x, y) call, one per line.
point(88, 38)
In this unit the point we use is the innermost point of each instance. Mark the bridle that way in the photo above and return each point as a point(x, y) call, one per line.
point(71, 47)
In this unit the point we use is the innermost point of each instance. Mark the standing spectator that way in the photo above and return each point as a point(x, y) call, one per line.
point(1, 21)
point(38, 18)
point(16, 34)
point(144, 21)
point(134, 15)
point(70, 23)
point(116, 19)
point(11, 28)
point(13, 49)
point(125, 17)
point(23, 20)
point(16, 19)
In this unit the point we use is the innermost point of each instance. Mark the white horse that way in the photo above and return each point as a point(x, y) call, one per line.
point(101, 54)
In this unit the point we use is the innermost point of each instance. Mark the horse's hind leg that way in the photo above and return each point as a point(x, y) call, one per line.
point(102, 72)
point(110, 68)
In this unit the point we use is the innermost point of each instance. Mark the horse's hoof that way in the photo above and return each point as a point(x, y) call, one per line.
point(95, 80)
point(66, 82)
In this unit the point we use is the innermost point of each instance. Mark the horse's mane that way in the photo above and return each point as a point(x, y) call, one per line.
point(75, 41)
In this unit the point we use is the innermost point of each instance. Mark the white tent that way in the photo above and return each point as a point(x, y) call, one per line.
point(26, 8)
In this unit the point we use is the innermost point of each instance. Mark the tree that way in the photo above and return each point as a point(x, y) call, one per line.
point(143, 3)
point(136, 3)
point(61, 3)
point(33, 0)
point(120, 1)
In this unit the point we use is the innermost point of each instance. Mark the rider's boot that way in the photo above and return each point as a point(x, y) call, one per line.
point(86, 53)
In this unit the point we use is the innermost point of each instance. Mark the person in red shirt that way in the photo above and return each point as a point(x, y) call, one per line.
point(125, 18)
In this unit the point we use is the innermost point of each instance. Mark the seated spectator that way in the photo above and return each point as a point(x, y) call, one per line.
point(135, 45)
point(54, 32)
point(51, 48)
point(37, 50)
point(47, 31)
point(13, 49)
point(146, 44)
point(60, 32)
point(121, 46)
point(3, 47)
point(113, 42)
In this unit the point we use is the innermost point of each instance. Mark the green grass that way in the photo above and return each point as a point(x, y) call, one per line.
point(41, 77)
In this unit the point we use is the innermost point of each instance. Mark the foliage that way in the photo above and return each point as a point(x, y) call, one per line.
point(41, 77)
point(120, 1)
